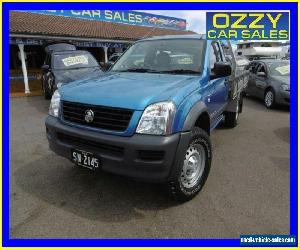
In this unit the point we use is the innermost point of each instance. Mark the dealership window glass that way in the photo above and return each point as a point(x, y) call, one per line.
point(15, 62)
point(163, 56)
point(34, 56)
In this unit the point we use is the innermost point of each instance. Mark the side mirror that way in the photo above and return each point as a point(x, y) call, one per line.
point(261, 74)
point(45, 67)
point(221, 69)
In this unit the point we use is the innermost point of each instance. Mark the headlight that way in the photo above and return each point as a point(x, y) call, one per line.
point(54, 105)
point(285, 87)
point(157, 119)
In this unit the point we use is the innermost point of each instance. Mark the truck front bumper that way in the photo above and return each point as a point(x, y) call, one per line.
point(144, 157)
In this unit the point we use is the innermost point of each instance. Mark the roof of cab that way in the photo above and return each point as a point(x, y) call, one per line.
point(195, 36)
point(71, 51)
point(59, 47)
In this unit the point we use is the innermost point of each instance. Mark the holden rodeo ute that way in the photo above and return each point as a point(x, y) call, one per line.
point(149, 117)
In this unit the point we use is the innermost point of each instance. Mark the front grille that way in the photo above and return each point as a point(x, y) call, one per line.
point(100, 147)
point(108, 118)
point(150, 155)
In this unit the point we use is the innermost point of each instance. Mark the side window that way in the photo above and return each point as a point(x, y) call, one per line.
point(257, 65)
point(261, 68)
point(212, 58)
point(49, 60)
point(215, 55)
point(252, 67)
point(219, 52)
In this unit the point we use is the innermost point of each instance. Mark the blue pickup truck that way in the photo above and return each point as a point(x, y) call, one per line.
point(150, 116)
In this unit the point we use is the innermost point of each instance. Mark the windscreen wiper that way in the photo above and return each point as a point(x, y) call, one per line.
point(181, 71)
point(75, 68)
point(141, 70)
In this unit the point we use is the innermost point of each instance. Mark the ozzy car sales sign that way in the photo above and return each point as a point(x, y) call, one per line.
point(247, 25)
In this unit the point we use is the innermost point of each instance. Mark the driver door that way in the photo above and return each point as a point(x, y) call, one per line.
point(260, 81)
point(251, 87)
point(217, 99)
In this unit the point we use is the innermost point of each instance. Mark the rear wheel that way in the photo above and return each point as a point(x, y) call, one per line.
point(231, 118)
point(244, 94)
point(270, 99)
point(195, 168)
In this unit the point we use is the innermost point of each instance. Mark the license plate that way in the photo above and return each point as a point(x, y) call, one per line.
point(85, 159)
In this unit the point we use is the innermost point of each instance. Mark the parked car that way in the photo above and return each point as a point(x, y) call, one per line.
point(150, 116)
point(64, 64)
point(269, 80)
point(111, 60)
point(241, 62)
point(114, 57)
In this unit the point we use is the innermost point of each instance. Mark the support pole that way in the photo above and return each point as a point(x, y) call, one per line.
point(105, 54)
point(24, 69)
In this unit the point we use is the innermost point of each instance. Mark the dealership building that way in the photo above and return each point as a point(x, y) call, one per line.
point(101, 32)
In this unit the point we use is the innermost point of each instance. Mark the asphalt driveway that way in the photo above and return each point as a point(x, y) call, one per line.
point(247, 191)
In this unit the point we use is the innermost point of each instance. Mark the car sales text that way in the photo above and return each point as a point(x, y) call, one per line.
point(251, 25)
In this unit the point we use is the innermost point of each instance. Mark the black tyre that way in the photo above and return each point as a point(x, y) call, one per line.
point(244, 94)
point(269, 99)
point(195, 167)
point(231, 118)
point(241, 103)
point(47, 89)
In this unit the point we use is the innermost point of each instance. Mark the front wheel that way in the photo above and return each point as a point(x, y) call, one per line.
point(270, 99)
point(195, 167)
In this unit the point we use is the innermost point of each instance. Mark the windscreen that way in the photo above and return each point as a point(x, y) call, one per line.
point(279, 68)
point(176, 56)
point(73, 60)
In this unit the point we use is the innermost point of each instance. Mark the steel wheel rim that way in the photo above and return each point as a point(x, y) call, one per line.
point(193, 166)
point(269, 98)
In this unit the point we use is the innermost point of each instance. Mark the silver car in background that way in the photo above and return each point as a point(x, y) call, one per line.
point(270, 81)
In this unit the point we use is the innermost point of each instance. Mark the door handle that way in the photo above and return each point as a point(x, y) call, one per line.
point(208, 98)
